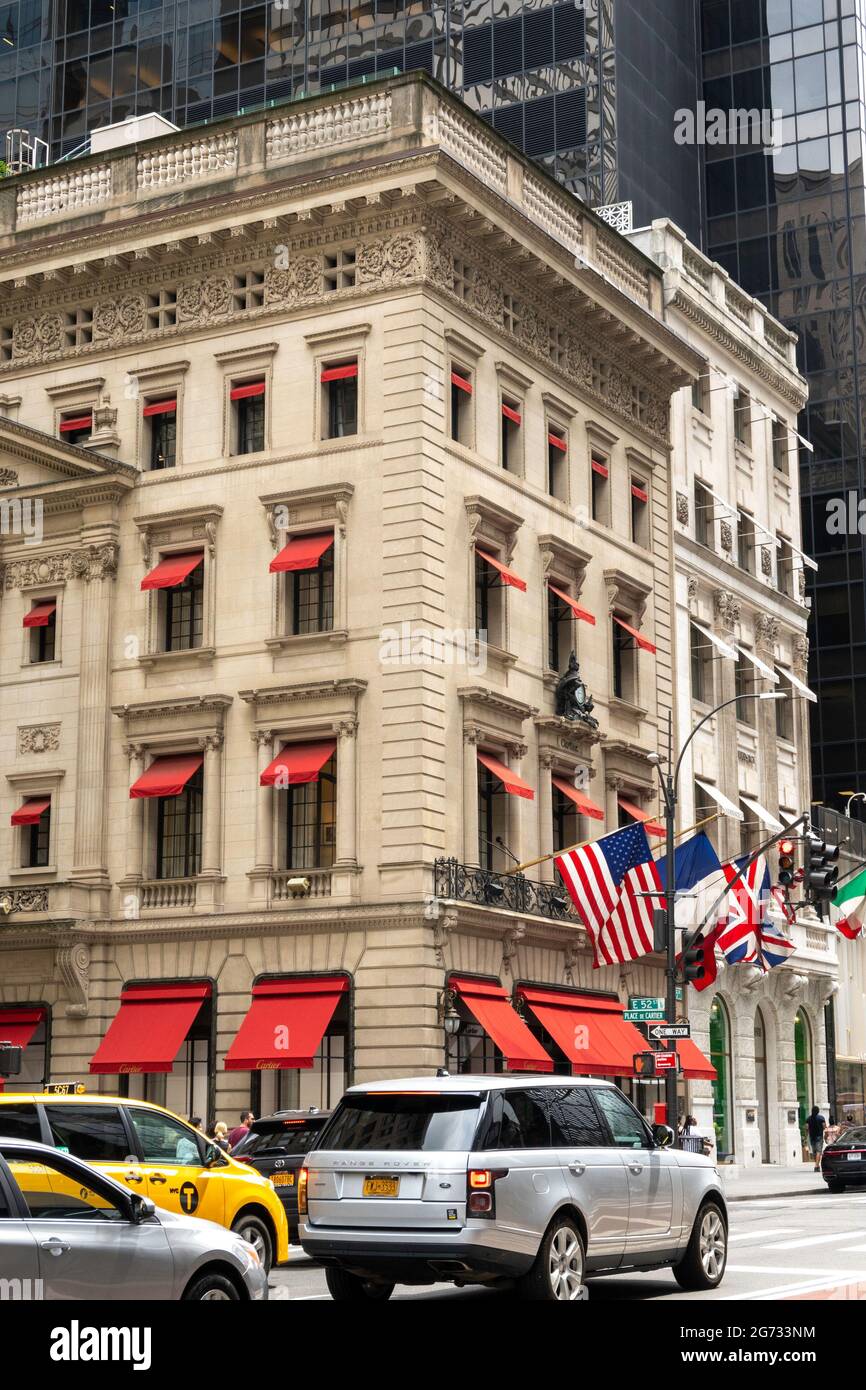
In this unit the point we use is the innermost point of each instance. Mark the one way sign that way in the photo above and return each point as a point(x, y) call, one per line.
point(661, 1031)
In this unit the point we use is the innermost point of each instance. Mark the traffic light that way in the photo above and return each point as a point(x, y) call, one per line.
point(821, 872)
point(786, 863)
point(644, 1064)
point(694, 964)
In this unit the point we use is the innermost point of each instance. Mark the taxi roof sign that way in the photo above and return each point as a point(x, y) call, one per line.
point(65, 1088)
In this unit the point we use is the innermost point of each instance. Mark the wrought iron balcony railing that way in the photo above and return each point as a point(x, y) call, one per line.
point(512, 892)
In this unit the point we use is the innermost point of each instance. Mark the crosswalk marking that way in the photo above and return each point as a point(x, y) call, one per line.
point(762, 1235)
point(807, 1242)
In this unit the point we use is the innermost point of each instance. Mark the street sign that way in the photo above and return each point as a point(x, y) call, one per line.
point(640, 1016)
point(638, 1003)
point(666, 1061)
point(670, 1030)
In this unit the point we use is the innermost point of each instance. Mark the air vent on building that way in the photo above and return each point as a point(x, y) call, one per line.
point(539, 118)
point(570, 120)
point(477, 55)
point(568, 25)
point(508, 120)
point(418, 57)
point(507, 47)
point(538, 38)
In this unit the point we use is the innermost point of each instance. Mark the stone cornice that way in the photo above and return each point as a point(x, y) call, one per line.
point(790, 387)
point(169, 709)
point(69, 460)
point(493, 700)
point(265, 696)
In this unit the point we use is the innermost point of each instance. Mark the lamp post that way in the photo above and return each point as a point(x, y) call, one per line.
point(669, 781)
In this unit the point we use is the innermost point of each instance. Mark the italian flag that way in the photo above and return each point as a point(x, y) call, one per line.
point(850, 903)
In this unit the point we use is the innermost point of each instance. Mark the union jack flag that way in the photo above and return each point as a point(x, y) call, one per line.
point(748, 938)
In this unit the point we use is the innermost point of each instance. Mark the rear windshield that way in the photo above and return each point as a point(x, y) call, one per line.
point(288, 1139)
point(852, 1136)
point(443, 1122)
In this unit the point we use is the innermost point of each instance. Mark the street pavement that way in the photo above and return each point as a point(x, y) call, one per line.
point(810, 1246)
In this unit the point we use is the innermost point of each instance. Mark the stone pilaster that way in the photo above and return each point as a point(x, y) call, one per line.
point(96, 567)
point(347, 795)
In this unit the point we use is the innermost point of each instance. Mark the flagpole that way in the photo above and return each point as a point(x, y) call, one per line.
point(543, 858)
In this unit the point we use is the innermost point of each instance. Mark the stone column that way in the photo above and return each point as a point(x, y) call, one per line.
point(514, 837)
point(261, 872)
point(544, 792)
point(212, 806)
point(470, 796)
point(727, 611)
point(347, 794)
point(96, 566)
point(766, 634)
point(135, 818)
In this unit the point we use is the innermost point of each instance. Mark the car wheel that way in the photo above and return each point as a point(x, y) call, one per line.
point(703, 1265)
point(835, 1186)
point(254, 1231)
point(212, 1288)
point(557, 1275)
point(351, 1288)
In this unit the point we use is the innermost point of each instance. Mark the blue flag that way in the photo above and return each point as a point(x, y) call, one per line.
point(699, 873)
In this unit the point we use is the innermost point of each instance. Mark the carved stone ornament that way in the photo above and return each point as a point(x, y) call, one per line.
point(682, 509)
point(801, 653)
point(691, 590)
point(8, 477)
point(14, 900)
point(573, 700)
point(727, 536)
point(73, 967)
point(766, 560)
point(766, 631)
point(727, 608)
point(39, 738)
point(91, 562)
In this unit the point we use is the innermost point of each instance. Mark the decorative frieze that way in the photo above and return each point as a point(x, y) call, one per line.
point(38, 738)
point(14, 900)
point(90, 562)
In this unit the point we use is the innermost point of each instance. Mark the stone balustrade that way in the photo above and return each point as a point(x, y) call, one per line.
point(206, 157)
point(70, 192)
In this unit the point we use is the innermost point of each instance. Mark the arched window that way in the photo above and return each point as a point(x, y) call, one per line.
point(720, 1056)
point(803, 1066)
point(761, 1087)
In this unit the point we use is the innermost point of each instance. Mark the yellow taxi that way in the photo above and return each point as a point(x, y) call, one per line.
point(151, 1151)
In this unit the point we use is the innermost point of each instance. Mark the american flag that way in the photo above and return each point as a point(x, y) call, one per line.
point(748, 937)
point(605, 880)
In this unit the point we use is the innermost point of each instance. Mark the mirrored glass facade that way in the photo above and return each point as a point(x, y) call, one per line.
point(789, 225)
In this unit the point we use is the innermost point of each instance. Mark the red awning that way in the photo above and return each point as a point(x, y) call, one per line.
point(638, 813)
point(600, 468)
point(40, 613)
point(572, 604)
point(590, 1030)
point(513, 784)
point(146, 1032)
point(461, 382)
point(508, 576)
point(643, 642)
point(29, 811)
point(167, 776)
point(696, 1067)
point(488, 1003)
point(77, 422)
point(583, 803)
point(301, 553)
point(172, 571)
point(640, 493)
point(298, 763)
point(340, 373)
point(557, 442)
point(512, 415)
point(17, 1026)
point(285, 1024)
point(250, 388)
point(160, 408)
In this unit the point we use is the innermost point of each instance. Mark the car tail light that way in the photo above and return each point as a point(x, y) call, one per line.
point(482, 1191)
point(303, 1175)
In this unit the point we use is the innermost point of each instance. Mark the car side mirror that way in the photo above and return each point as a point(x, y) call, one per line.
point(213, 1156)
point(663, 1136)
point(142, 1208)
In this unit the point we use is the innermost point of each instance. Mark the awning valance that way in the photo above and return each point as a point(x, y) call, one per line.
point(639, 814)
point(461, 383)
point(643, 642)
point(73, 423)
point(146, 1033)
point(285, 1024)
point(30, 811)
point(344, 373)
point(764, 816)
point(167, 776)
point(160, 408)
point(572, 604)
point(250, 388)
point(721, 647)
point(302, 553)
point(172, 571)
point(488, 1003)
point(556, 441)
point(583, 803)
point(590, 1030)
point(298, 763)
point(512, 783)
point(760, 666)
point(508, 576)
point(510, 414)
point(800, 685)
point(720, 799)
point(40, 614)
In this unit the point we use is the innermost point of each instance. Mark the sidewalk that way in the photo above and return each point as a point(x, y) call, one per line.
point(769, 1180)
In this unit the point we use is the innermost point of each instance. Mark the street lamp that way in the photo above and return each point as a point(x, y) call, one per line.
point(852, 796)
point(669, 797)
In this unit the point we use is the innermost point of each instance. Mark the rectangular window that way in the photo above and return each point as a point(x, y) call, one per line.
point(184, 612)
point(313, 596)
point(639, 512)
point(492, 821)
point(37, 842)
point(248, 291)
point(559, 631)
point(566, 821)
point(624, 661)
point(780, 447)
point(461, 405)
point(340, 271)
point(488, 603)
point(600, 481)
point(705, 528)
point(76, 426)
point(701, 651)
point(78, 327)
point(743, 418)
point(178, 831)
point(43, 638)
point(311, 821)
point(701, 394)
point(557, 463)
point(785, 567)
point(160, 426)
point(510, 435)
point(746, 541)
point(162, 310)
point(248, 424)
point(340, 393)
point(744, 685)
point(785, 711)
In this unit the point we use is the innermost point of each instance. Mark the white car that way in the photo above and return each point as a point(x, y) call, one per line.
point(68, 1231)
point(487, 1179)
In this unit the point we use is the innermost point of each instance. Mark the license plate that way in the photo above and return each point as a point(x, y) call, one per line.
point(854, 1158)
point(381, 1187)
point(283, 1179)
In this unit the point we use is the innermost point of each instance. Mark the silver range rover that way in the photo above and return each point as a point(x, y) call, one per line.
point(541, 1181)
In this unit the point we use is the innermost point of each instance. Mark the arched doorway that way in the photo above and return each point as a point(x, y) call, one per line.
point(720, 1056)
point(803, 1066)
point(761, 1089)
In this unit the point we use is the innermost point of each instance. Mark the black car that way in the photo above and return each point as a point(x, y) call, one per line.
point(843, 1162)
point(275, 1147)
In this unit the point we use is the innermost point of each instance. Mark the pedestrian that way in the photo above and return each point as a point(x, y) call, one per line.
point(815, 1126)
point(832, 1132)
point(196, 1123)
point(240, 1130)
point(690, 1139)
point(221, 1136)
